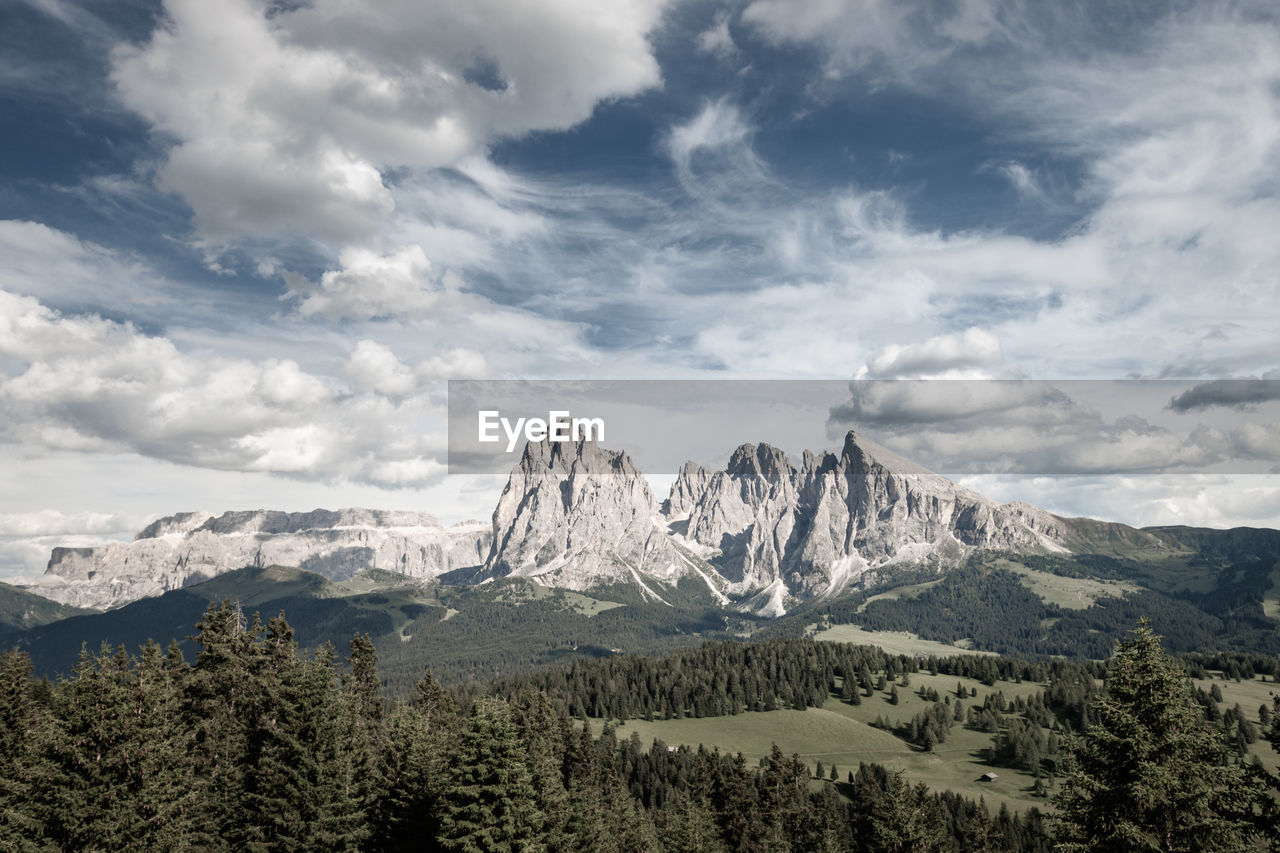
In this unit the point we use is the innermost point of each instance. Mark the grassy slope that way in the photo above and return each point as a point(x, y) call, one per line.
point(908, 591)
point(1070, 593)
point(842, 734)
point(894, 642)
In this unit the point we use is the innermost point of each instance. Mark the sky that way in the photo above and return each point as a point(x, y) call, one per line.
point(244, 244)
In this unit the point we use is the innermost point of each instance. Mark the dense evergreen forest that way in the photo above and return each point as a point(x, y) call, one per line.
point(254, 746)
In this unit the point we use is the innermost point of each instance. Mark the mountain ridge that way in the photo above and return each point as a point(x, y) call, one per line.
point(762, 535)
point(190, 547)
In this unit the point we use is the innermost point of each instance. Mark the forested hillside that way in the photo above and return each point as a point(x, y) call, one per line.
point(254, 746)
point(461, 633)
point(1207, 600)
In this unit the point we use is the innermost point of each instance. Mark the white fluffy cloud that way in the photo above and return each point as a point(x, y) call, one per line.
point(88, 384)
point(718, 125)
point(54, 265)
point(371, 286)
point(374, 365)
point(26, 538)
point(285, 119)
point(953, 356)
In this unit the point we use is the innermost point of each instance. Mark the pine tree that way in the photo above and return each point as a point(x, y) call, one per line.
point(334, 794)
point(112, 769)
point(1147, 775)
point(1274, 736)
point(490, 801)
point(21, 724)
point(367, 725)
point(737, 803)
point(905, 818)
point(164, 795)
point(540, 730)
point(221, 696)
point(82, 781)
point(413, 768)
point(688, 824)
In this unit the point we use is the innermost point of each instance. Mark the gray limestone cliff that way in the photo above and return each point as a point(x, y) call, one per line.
point(186, 548)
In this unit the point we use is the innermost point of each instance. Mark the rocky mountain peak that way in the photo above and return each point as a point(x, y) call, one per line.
point(576, 515)
point(861, 453)
point(760, 462)
point(817, 529)
point(690, 483)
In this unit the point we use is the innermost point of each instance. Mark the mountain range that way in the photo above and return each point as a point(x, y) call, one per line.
point(580, 558)
point(762, 535)
point(191, 547)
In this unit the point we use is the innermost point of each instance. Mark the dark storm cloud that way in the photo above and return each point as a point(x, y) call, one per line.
point(1230, 393)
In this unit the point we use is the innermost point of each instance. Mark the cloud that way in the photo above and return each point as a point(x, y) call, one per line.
point(1035, 427)
point(56, 266)
point(1231, 393)
point(904, 35)
point(370, 286)
point(1022, 179)
point(286, 120)
point(898, 405)
point(52, 522)
point(939, 356)
point(375, 366)
point(455, 363)
point(93, 385)
point(1200, 500)
point(1174, 134)
point(716, 39)
point(26, 538)
point(718, 126)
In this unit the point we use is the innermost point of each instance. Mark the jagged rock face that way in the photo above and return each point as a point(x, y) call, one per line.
point(816, 529)
point(183, 549)
point(686, 491)
point(747, 512)
point(577, 515)
point(761, 530)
